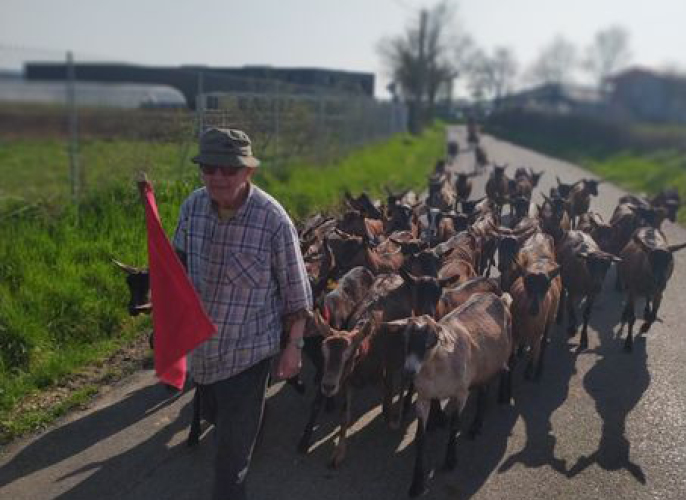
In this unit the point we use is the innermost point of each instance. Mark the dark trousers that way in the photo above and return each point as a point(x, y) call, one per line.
point(237, 404)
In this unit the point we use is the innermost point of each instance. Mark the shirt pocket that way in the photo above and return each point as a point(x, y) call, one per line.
point(246, 279)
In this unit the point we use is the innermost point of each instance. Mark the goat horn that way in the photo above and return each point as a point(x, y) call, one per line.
point(126, 267)
point(676, 248)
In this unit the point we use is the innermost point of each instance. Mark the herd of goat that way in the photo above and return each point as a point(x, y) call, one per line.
point(404, 298)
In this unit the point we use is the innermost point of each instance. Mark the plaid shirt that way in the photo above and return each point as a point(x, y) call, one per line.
point(248, 272)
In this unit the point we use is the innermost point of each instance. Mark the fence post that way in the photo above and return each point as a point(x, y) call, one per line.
point(277, 124)
point(200, 104)
point(73, 129)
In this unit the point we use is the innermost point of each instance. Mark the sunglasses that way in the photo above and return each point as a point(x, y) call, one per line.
point(225, 171)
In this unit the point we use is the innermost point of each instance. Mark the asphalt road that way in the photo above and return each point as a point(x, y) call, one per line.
point(600, 424)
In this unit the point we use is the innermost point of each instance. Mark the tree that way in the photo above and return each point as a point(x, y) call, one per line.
point(491, 77)
point(608, 53)
point(556, 64)
point(424, 60)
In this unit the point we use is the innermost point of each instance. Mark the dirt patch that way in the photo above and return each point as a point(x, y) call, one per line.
point(130, 358)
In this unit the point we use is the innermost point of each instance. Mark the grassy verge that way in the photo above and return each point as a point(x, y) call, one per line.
point(641, 158)
point(63, 303)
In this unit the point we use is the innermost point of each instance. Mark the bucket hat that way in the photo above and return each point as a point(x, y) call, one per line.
point(225, 147)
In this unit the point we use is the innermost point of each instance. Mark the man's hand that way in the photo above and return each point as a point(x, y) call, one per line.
point(290, 362)
point(290, 359)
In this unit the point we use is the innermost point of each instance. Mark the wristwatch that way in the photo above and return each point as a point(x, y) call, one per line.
point(299, 342)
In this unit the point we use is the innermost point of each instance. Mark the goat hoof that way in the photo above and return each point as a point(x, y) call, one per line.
point(645, 327)
point(628, 348)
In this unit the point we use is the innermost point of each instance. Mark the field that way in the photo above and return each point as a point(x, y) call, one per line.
point(643, 158)
point(63, 303)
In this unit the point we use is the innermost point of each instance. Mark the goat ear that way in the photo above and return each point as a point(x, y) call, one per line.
point(407, 276)
point(676, 248)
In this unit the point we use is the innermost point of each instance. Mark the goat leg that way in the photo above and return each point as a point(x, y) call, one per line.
point(541, 354)
point(436, 417)
point(418, 486)
point(560, 307)
point(651, 316)
point(305, 440)
point(505, 389)
point(646, 310)
point(477, 424)
point(572, 322)
point(387, 405)
point(407, 401)
point(341, 448)
point(583, 344)
point(451, 448)
point(194, 433)
point(630, 316)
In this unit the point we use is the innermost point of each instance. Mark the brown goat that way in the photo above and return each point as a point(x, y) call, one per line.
point(338, 305)
point(554, 217)
point(584, 267)
point(536, 296)
point(355, 358)
point(465, 350)
point(497, 185)
point(463, 186)
point(601, 232)
point(579, 198)
point(647, 264)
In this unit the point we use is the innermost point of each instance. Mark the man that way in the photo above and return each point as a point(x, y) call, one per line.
point(242, 255)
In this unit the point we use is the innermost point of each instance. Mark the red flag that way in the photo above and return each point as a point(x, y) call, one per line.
point(179, 320)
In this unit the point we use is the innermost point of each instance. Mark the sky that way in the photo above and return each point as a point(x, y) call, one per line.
point(335, 34)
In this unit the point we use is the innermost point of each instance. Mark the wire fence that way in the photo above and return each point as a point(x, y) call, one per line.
point(68, 133)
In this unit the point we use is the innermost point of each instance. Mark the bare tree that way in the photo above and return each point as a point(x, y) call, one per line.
point(608, 53)
point(424, 60)
point(491, 76)
point(556, 64)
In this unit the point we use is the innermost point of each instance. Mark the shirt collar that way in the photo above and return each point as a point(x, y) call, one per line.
point(241, 211)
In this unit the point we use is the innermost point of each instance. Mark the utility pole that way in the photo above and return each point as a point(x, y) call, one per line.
point(421, 86)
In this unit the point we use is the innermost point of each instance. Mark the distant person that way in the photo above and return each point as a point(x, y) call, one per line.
point(242, 254)
point(472, 132)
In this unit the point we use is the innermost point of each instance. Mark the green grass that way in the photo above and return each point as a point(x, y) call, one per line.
point(33, 419)
point(62, 301)
point(35, 170)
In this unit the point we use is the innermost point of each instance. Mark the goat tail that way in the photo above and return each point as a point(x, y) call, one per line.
point(507, 299)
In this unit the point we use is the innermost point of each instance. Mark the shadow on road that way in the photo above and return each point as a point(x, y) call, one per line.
point(616, 382)
point(537, 401)
point(75, 437)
